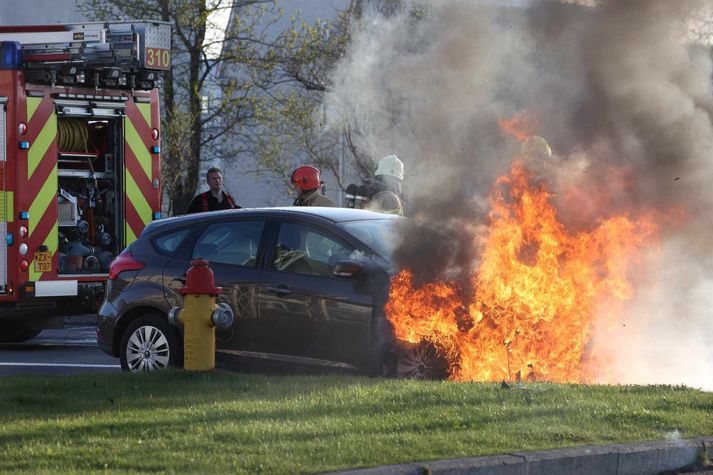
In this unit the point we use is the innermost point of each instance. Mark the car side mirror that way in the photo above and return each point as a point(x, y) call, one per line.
point(348, 270)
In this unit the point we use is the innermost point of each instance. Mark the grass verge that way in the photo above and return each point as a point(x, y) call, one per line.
point(225, 422)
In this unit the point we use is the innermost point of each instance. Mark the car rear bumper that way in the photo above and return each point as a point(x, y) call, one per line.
point(106, 319)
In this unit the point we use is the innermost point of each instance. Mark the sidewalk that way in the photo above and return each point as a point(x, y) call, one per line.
point(644, 458)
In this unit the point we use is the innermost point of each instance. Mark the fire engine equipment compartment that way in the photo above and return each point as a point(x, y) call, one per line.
point(88, 185)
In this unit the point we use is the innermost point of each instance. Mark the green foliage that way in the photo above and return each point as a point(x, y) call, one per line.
point(224, 422)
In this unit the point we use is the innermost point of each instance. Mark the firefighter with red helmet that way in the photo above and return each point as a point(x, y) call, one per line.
point(307, 183)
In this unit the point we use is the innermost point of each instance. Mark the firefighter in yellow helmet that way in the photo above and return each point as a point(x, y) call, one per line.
point(389, 178)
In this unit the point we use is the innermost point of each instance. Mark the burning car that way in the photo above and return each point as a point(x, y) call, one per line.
point(307, 285)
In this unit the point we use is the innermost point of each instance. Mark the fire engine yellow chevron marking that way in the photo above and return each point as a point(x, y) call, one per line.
point(137, 199)
point(7, 213)
point(39, 147)
point(32, 104)
point(130, 236)
point(145, 110)
point(137, 146)
point(46, 195)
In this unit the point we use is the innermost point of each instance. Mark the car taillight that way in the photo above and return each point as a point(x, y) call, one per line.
point(124, 262)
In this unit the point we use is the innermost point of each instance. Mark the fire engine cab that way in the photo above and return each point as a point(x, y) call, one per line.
point(79, 162)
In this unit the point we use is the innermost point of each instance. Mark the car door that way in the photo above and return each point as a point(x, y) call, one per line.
point(232, 248)
point(306, 311)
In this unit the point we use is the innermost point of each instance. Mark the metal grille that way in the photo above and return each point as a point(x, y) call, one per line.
point(158, 35)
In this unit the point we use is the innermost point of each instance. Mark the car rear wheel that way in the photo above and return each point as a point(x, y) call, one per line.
point(150, 344)
point(417, 361)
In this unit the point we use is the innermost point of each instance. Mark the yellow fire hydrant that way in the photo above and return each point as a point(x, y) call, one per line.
point(200, 317)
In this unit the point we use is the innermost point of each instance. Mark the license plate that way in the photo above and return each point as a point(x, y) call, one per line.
point(43, 261)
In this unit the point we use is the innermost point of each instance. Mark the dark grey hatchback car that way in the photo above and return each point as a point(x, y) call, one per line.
point(307, 287)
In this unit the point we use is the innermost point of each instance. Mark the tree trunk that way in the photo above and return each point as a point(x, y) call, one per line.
point(167, 109)
point(185, 186)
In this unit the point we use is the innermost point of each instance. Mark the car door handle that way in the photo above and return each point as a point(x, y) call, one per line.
point(280, 290)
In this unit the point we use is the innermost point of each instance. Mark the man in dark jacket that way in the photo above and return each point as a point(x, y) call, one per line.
point(214, 199)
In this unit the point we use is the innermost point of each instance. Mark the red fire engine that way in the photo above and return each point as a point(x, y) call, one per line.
point(79, 162)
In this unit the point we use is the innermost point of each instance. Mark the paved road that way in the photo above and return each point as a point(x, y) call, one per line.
point(71, 350)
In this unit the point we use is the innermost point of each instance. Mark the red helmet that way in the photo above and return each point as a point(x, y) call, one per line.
point(306, 178)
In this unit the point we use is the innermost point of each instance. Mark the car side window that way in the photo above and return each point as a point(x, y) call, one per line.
point(230, 242)
point(169, 243)
point(305, 250)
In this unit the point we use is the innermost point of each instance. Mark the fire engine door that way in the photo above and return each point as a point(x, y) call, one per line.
point(5, 198)
point(140, 170)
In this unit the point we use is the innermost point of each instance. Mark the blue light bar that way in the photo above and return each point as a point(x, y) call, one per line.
point(10, 239)
point(156, 215)
point(155, 149)
point(24, 145)
point(10, 56)
point(24, 215)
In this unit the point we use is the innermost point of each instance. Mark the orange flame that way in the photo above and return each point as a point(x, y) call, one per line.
point(540, 291)
point(521, 126)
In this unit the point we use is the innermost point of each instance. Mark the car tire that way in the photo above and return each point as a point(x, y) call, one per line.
point(416, 361)
point(150, 343)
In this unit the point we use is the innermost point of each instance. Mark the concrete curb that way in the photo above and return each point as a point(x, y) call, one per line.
point(622, 459)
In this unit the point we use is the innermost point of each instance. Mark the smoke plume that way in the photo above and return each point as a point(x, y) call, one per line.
point(620, 89)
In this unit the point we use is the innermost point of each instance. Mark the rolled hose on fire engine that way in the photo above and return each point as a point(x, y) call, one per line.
point(72, 135)
point(91, 264)
point(105, 259)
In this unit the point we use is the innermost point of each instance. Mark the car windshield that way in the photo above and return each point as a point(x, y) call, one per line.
point(381, 235)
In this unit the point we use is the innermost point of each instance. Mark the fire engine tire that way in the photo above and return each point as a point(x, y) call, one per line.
point(13, 332)
point(416, 361)
point(28, 334)
point(150, 343)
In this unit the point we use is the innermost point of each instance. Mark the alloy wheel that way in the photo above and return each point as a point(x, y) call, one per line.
point(147, 350)
point(421, 361)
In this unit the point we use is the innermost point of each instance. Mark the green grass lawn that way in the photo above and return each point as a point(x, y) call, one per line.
point(226, 422)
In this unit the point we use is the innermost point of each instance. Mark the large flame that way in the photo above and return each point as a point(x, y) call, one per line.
point(541, 291)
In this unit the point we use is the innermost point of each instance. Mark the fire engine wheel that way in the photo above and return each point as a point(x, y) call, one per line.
point(28, 334)
point(418, 361)
point(150, 343)
point(15, 333)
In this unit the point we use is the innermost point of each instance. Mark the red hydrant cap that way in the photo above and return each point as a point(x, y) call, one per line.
point(199, 280)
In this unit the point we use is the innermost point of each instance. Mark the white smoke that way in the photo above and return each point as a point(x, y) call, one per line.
point(621, 85)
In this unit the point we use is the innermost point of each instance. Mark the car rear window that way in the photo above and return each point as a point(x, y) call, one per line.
point(169, 243)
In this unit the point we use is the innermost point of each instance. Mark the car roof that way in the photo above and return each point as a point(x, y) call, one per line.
point(333, 214)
